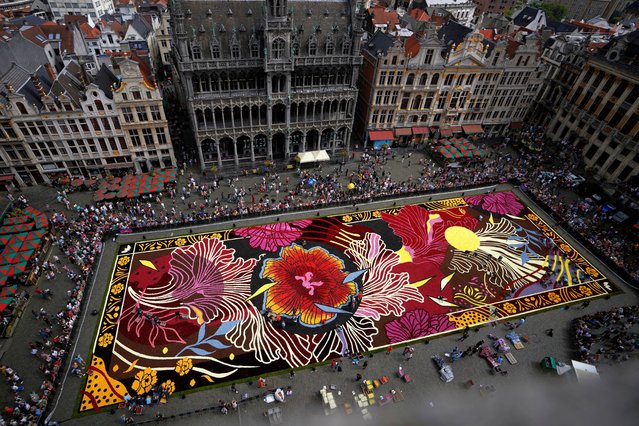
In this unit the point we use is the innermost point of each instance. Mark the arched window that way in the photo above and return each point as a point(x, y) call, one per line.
point(346, 48)
point(417, 102)
point(277, 50)
point(21, 108)
point(330, 48)
point(435, 79)
point(255, 50)
point(410, 79)
point(312, 48)
point(235, 51)
point(215, 51)
point(98, 105)
point(196, 52)
point(423, 80)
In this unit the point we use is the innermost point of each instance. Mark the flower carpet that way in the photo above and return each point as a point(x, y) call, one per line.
point(195, 310)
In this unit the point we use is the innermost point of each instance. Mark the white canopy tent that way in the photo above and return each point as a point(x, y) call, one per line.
point(312, 156)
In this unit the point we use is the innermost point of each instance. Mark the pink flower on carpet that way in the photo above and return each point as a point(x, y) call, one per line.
point(206, 278)
point(416, 324)
point(272, 236)
point(497, 202)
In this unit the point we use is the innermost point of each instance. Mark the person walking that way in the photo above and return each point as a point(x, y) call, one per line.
point(364, 365)
point(389, 349)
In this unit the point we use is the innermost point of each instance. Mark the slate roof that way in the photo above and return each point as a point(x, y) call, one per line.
point(379, 42)
point(30, 20)
point(560, 27)
point(453, 32)
point(29, 90)
point(21, 51)
point(244, 20)
point(525, 17)
point(69, 82)
point(104, 79)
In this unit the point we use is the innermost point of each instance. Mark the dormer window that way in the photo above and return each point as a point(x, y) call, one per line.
point(255, 50)
point(330, 48)
point(277, 48)
point(215, 51)
point(235, 51)
point(196, 52)
point(346, 48)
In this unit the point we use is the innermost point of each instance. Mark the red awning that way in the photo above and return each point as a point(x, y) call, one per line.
point(381, 135)
point(403, 131)
point(421, 130)
point(6, 178)
point(456, 129)
point(446, 132)
point(473, 128)
point(516, 125)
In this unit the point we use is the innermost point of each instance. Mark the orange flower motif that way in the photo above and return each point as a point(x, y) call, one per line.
point(592, 272)
point(510, 308)
point(183, 366)
point(168, 386)
point(585, 290)
point(117, 288)
point(554, 297)
point(105, 340)
point(144, 381)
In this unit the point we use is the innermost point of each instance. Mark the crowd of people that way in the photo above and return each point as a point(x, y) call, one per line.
point(611, 335)
point(79, 231)
point(544, 174)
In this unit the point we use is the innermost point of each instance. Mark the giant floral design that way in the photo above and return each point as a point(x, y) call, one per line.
point(415, 324)
point(497, 202)
point(384, 291)
point(305, 283)
point(422, 232)
point(206, 278)
point(273, 236)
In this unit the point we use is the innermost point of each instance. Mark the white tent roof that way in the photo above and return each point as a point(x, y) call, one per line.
point(586, 373)
point(312, 156)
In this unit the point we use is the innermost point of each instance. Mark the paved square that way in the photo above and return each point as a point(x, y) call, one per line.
point(198, 310)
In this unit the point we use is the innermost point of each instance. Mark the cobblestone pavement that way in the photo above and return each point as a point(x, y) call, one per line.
point(526, 395)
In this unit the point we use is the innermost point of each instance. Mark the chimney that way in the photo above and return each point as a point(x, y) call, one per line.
point(38, 85)
point(51, 71)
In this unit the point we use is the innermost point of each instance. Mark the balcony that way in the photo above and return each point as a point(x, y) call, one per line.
point(224, 65)
point(308, 61)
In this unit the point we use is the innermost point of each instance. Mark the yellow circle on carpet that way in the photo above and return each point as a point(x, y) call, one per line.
point(462, 238)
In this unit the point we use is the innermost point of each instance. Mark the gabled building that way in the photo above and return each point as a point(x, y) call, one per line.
point(445, 81)
point(55, 125)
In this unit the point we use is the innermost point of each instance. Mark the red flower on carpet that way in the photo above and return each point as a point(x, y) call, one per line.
point(152, 325)
point(497, 202)
point(272, 236)
point(422, 231)
point(305, 279)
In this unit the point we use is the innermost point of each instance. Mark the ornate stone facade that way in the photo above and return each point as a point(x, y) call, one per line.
point(266, 80)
